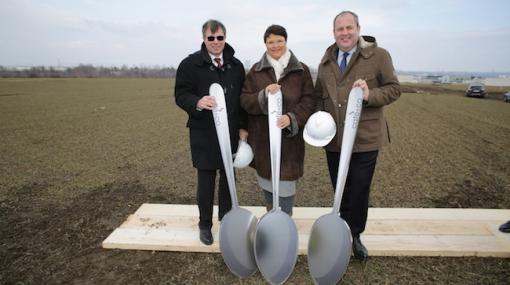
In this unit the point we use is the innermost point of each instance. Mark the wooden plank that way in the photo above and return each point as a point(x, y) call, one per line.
point(378, 227)
point(164, 240)
point(426, 227)
point(435, 245)
point(150, 216)
point(439, 214)
point(185, 210)
point(373, 213)
point(378, 245)
point(389, 232)
point(494, 229)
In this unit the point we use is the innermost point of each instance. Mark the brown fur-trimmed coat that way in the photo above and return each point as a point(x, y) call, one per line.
point(298, 102)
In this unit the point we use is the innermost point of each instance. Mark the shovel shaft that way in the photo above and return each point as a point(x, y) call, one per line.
point(274, 106)
point(276, 237)
point(223, 133)
point(352, 117)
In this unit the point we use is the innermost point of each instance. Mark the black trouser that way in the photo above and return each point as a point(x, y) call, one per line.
point(205, 196)
point(354, 206)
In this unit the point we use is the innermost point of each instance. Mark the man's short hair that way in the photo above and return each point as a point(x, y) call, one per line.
point(275, 30)
point(213, 25)
point(356, 19)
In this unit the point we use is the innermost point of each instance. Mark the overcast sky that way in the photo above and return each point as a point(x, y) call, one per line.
point(436, 35)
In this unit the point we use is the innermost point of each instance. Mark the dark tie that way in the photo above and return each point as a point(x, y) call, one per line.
point(343, 64)
point(218, 61)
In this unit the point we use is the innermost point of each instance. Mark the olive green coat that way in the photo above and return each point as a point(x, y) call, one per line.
point(374, 65)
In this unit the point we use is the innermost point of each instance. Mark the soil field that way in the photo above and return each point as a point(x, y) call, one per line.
point(79, 155)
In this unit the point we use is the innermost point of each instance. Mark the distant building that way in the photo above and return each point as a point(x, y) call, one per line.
point(435, 79)
point(487, 78)
point(497, 81)
point(445, 79)
point(405, 78)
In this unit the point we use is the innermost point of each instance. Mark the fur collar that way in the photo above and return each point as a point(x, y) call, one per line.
point(366, 44)
point(294, 64)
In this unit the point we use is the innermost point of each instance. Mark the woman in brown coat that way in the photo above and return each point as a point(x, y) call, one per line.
point(278, 69)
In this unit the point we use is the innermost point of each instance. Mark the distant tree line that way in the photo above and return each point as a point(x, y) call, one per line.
point(87, 70)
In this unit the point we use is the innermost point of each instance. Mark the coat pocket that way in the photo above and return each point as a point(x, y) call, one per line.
point(369, 131)
point(370, 78)
point(371, 114)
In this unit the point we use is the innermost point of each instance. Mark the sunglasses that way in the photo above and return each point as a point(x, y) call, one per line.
point(219, 38)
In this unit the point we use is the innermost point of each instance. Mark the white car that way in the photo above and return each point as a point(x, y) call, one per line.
point(506, 97)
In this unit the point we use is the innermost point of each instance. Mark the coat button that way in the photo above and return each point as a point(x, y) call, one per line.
point(339, 105)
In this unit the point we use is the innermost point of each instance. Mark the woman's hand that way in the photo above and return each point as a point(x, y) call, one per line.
point(283, 121)
point(272, 89)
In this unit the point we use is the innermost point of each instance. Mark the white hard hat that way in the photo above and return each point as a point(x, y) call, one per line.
point(319, 129)
point(243, 156)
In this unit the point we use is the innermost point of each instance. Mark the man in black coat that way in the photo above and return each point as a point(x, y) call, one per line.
point(213, 63)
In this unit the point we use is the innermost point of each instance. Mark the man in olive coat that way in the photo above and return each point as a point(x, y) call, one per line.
point(354, 61)
point(213, 63)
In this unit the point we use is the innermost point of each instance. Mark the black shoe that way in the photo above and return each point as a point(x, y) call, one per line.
point(221, 216)
point(206, 236)
point(359, 250)
point(505, 228)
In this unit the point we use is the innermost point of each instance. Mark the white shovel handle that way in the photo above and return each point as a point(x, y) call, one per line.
point(274, 110)
point(352, 116)
point(222, 130)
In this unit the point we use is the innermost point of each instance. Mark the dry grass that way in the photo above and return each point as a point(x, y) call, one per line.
point(79, 155)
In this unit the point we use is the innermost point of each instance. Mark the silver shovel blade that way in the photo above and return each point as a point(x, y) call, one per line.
point(329, 249)
point(276, 246)
point(237, 232)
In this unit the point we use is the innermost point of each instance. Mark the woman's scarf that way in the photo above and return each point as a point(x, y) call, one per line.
point(280, 64)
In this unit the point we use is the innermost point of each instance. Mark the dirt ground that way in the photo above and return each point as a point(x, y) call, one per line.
point(80, 155)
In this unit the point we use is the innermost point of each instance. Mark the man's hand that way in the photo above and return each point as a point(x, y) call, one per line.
point(206, 102)
point(364, 87)
point(243, 134)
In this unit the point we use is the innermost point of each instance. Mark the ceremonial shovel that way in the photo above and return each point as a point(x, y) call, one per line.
point(237, 227)
point(276, 237)
point(330, 243)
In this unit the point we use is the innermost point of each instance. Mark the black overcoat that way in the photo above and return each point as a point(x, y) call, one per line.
point(195, 75)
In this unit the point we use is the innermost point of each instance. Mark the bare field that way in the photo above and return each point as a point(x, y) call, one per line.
point(79, 155)
point(495, 92)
